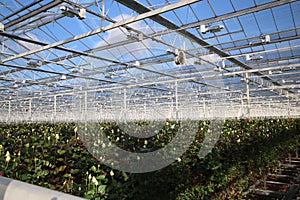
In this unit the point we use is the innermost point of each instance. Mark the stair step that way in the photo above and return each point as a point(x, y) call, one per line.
point(290, 166)
point(270, 193)
point(281, 176)
point(276, 183)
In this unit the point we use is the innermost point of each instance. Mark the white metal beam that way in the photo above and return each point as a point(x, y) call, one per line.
point(106, 28)
point(238, 13)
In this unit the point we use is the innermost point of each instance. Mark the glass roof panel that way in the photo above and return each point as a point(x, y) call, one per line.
point(283, 17)
point(206, 11)
point(47, 52)
point(266, 26)
point(295, 6)
point(249, 25)
point(242, 4)
point(221, 8)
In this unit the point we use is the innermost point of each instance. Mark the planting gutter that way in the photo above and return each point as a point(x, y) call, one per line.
point(12, 189)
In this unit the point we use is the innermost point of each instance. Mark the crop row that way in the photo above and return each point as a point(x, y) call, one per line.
point(55, 156)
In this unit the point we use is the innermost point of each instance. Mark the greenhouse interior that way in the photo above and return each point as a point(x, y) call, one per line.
point(140, 99)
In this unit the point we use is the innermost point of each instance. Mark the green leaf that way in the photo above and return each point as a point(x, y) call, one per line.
point(61, 152)
point(101, 177)
point(24, 177)
point(74, 171)
point(60, 168)
point(93, 168)
point(101, 189)
point(67, 175)
point(125, 176)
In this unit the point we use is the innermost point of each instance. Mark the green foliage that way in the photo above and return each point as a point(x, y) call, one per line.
point(53, 156)
point(49, 155)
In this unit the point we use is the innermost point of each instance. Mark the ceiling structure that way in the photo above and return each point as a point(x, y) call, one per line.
point(115, 59)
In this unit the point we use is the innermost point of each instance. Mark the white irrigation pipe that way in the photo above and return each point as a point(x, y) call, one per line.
point(12, 189)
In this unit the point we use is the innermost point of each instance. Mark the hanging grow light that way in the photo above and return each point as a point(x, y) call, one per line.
point(71, 12)
point(109, 76)
point(33, 64)
point(136, 64)
point(179, 57)
point(275, 72)
point(63, 77)
point(287, 81)
point(212, 29)
point(218, 68)
point(1, 27)
point(135, 36)
point(253, 57)
point(262, 40)
point(198, 62)
point(77, 70)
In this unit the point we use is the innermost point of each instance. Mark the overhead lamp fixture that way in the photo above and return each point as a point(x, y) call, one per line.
point(33, 64)
point(262, 40)
point(135, 36)
point(80, 70)
point(1, 27)
point(179, 58)
point(110, 76)
point(223, 63)
point(287, 81)
point(253, 57)
point(136, 64)
point(63, 77)
point(218, 68)
point(198, 62)
point(212, 29)
point(288, 69)
point(275, 72)
point(71, 12)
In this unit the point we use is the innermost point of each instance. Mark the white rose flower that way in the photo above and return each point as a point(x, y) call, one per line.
point(112, 173)
point(7, 156)
point(94, 180)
